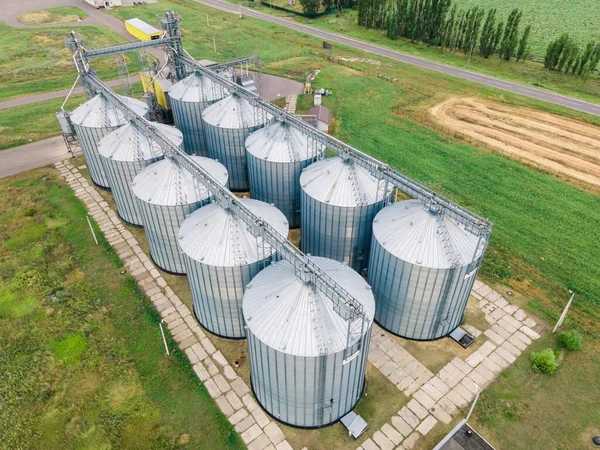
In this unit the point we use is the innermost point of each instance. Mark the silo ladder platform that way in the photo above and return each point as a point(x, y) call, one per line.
point(355, 424)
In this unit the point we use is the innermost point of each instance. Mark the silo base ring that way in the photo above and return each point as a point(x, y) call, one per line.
point(419, 340)
point(300, 427)
point(212, 332)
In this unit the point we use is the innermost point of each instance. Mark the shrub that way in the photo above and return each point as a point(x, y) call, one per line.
point(544, 361)
point(572, 340)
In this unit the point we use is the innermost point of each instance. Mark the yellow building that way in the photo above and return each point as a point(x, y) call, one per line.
point(141, 30)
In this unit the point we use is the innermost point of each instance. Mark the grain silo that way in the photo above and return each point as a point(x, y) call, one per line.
point(167, 194)
point(339, 200)
point(307, 364)
point(188, 98)
point(125, 152)
point(422, 269)
point(228, 123)
point(222, 256)
point(277, 154)
point(92, 121)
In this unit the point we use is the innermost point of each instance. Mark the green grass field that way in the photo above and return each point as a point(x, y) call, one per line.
point(51, 16)
point(82, 362)
point(36, 60)
point(549, 19)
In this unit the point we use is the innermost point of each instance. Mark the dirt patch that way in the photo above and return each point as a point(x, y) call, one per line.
point(565, 147)
point(46, 17)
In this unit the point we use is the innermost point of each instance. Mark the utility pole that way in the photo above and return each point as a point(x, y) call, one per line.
point(565, 311)
point(473, 404)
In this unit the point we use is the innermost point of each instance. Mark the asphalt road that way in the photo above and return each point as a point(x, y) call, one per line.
point(538, 94)
point(31, 156)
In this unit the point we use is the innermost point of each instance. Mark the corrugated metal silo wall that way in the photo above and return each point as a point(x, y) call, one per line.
point(409, 298)
point(228, 146)
point(161, 225)
point(88, 139)
point(188, 118)
point(278, 183)
point(340, 233)
point(217, 293)
point(120, 175)
point(287, 386)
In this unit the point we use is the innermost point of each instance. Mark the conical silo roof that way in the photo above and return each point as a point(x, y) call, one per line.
point(128, 143)
point(341, 183)
point(281, 143)
point(234, 112)
point(197, 89)
point(98, 112)
point(167, 183)
point(288, 315)
point(213, 236)
point(415, 234)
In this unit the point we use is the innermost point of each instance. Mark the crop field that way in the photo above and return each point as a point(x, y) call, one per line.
point(82, 363)
point(36, 60)
point(568, 148)
point(549, 19)
point(52, 16)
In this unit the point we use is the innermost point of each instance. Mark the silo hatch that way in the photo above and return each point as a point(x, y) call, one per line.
point(462, 337)
point(355, 424)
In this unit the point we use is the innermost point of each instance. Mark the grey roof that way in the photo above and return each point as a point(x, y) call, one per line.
point(213, 236)
point(142, 26)
point(234, 112)
point(323, 114)
point(167, 183)
point(412, 233)
point(98, 112)
point(197, 89)
point(290, 316)
point(341, 183)
point(281, 143)
point(128, 143)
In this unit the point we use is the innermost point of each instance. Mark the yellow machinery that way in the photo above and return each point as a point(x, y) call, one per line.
point(141, 30)
point(159, 87)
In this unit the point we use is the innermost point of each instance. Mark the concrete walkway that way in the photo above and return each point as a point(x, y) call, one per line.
point(229, 391)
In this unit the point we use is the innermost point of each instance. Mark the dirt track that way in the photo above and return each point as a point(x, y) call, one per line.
point(566, 147)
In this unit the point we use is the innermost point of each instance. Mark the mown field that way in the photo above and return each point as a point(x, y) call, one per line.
point(50, 16)
point(83, 364)
point(549, 19)
point(36, 60)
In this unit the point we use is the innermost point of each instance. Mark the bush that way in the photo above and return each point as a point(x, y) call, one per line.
point(544, 361)
point(572, 340)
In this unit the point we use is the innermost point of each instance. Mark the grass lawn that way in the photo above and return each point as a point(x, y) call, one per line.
point(525, 410)
point(36, 60)
point(63, 14)
point(526, 72)
point(16, 123)
point(82, 362)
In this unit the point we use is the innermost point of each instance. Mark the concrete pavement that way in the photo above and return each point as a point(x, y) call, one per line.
point(31, 156)
point(538, 94)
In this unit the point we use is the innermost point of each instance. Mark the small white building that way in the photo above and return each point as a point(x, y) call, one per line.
point(323, 116)
point(104, 3)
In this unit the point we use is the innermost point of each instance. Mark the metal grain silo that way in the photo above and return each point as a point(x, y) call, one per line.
point(339, 200)
point(222, 256)
point(167, 194)
point(92, 121)
point(125, 152)
point(422, 269)
point(307, 364)
point(277, 154)
point(228, 123)
point(188, 98)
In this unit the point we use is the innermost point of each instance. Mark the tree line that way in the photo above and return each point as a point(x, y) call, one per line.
point(440, 23)
point(565, 54)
